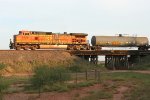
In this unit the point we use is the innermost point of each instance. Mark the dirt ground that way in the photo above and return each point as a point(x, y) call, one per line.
point(71, 95)
point(120, 91)
point(76, 93)
point(138, 71)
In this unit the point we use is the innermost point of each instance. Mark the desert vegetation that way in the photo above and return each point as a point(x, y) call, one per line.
point(3, 84)
point(136, 85)
point(68, 78)
point(114, 85)
point(25, 61)
point(143, 64)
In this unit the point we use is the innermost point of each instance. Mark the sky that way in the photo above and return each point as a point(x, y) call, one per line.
point(95, 17)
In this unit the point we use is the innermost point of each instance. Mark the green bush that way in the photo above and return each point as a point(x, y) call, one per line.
point(56, 87)
point(86, 84)
point(80, 66)
point(144, 64)
point(97, 95)
point(49, 76)
point(81, 84)
point(3, 83)
point(2, 66)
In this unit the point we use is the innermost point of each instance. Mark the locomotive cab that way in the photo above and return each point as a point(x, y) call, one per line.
point(24, 33)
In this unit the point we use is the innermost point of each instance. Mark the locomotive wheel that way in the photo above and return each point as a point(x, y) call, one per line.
point(18, 48)
point(25, 48)
point(70, 47)
point(75, 47)
point(32, 48)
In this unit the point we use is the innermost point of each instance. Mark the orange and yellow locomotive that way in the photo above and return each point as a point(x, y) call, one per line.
point(47, 40)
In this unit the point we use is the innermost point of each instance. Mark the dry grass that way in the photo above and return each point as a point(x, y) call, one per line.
point(26, 61)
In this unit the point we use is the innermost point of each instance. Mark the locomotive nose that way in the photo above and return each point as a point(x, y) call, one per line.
point(11, 45)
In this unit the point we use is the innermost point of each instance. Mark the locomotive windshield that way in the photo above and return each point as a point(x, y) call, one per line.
point(24, 33)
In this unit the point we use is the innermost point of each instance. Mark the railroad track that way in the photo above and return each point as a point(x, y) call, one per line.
point(30, 50)
point(88, 52)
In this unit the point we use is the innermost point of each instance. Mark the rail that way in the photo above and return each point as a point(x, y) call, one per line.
point(90, 52)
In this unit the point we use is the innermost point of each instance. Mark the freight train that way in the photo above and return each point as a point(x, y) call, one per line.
point(73, 41)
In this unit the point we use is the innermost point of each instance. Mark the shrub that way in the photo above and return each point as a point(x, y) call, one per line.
point(48, 76)
point(3, 83)
point(144, 64)
point(80, 66)
point(2, 66)
point(86, 84)
point(56, 87)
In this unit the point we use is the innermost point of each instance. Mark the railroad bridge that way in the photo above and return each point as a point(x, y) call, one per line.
point(114, 59)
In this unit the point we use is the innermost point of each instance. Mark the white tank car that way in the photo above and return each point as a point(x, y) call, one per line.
point(120, 41)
